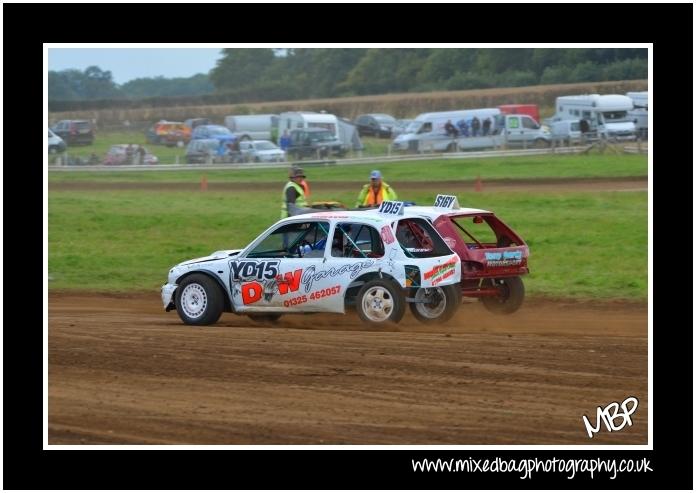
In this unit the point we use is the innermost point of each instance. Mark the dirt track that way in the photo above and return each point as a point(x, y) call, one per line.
point(122, 371)
point(551, 185)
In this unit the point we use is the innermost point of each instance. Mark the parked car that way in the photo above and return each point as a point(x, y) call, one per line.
point(214, 151)
point(400, 127)
point(168, 133)
point(378, 261)
point(55, 143)
point(261, 151)
point(194, 122)
point(314, 143)
point(74, 132)
point(375, 124)
point(118, 154)
point(202, 151)
point(566, 132)
point(211, 132)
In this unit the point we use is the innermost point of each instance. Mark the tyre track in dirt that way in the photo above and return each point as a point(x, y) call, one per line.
point(121, 370)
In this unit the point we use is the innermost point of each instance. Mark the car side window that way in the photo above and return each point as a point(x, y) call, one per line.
point(529, 123)
point(419, 239)
point(294, 240)
point(354, 240)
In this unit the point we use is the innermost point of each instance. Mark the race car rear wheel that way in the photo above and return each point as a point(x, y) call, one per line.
point(436, 305)
point(511, 296)
point(265, 318)
point(380, 302)
point(199, 300)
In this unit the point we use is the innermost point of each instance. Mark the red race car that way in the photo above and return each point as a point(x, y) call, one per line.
point(493, 256)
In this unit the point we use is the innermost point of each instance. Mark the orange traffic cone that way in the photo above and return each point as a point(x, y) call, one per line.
point(204, 183)
point(479, 186)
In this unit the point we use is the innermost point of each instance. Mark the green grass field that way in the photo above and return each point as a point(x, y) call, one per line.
point(171, 155)
point(544, 166)
point(583, 245)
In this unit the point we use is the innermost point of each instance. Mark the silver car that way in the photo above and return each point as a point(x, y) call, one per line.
point(261, 151)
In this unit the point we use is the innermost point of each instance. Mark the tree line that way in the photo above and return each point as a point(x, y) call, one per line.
point(96, 84)
point(261, 74)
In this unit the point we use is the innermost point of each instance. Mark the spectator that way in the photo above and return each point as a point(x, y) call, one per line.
point(130, 154)
point(285, 141)
point(463, 128)
point(375, 192)
point(475, 126)
point(451, 130)
point(486, 126)
point(234, 151)
point(141, 154)
point(584, 130)
point(293, 194)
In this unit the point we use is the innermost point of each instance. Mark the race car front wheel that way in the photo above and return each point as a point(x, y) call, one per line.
point(436, 305)
point(380, 302)
point(199, 300)
point(510, 298)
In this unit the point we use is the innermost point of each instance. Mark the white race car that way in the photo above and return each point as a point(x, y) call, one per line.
point(377, 261)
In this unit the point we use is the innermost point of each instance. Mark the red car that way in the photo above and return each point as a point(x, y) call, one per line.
point(493, 255)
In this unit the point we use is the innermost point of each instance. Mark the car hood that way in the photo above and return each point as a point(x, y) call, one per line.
point(404, 137)
point(219, 255)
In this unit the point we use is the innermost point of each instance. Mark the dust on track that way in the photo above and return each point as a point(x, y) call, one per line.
point(122, 371)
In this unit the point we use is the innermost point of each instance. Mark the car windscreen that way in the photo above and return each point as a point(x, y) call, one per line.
point(321, 136)
point(384, 119)
point(615, 115)
point(82, 125)
point(286, 240)
point(413, 127)
point(218, 129)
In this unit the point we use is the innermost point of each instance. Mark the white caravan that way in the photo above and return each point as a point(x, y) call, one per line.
point(607, 114)
point(252, 127)
point(640, 112)
point(292, 120)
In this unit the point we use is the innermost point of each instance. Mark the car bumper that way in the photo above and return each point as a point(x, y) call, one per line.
point(168, 296)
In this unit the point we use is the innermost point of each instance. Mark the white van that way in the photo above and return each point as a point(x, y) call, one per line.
point(566, 132)
point(493, 129)
point(606, 114)
point(640, 112)
point(292, 120)
point(427, 131)
point(55, 143)
point(252, 127)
